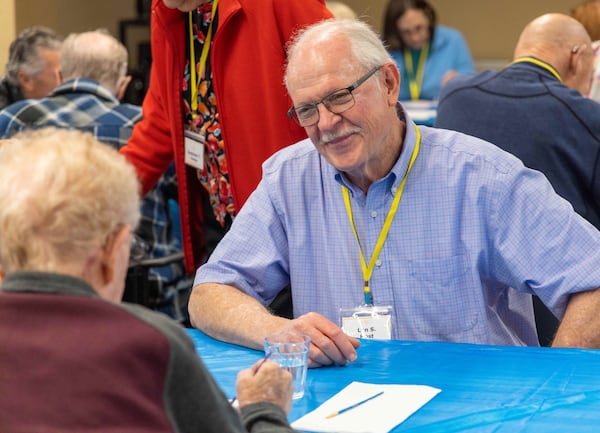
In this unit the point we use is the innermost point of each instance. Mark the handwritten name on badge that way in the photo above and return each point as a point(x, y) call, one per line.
point(373, 323)
point(194, 149)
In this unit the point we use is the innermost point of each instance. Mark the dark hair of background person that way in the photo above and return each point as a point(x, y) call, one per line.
point(588, 14)
point(22, 53)
point(394, 10)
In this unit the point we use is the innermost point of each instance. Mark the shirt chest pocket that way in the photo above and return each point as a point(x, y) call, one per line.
point(447, 301)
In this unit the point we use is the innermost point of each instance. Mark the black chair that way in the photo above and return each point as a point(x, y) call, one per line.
point(139, 288)
point(282, 304)
point(545, 321)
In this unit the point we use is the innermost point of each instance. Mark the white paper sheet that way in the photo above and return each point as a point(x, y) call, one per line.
point(379, 415)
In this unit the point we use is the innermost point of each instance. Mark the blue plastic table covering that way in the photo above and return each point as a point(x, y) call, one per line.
point(484, 388)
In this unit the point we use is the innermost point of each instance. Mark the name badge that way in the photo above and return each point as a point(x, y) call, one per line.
point(367, 321)
point(194, 149)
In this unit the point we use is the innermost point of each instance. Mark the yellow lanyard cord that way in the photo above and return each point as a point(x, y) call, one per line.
point(368, 271)
point(195, 82)
point(541, 64)
point(415, 81)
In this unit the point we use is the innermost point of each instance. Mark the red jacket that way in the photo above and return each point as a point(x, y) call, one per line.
point(247, 57)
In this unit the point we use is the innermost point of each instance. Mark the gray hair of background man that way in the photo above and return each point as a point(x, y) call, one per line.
point(53, 217)
point(23, 52)
point(94, 55)
point(365, 44)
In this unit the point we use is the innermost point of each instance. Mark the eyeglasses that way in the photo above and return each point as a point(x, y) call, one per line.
point(417, 30)
point(337, 102)
point(138, 249)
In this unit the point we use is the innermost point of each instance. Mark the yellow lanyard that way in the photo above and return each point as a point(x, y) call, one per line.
point(368, 271)
point(541, 64)
point(195, 82)
point(415, 81)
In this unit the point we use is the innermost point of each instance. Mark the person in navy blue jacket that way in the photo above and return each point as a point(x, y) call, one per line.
point(535, 109)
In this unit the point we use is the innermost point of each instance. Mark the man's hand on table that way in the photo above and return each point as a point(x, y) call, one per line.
point(329, 344)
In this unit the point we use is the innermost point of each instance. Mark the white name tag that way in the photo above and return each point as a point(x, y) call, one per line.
point(370, 322)
point(194, 149)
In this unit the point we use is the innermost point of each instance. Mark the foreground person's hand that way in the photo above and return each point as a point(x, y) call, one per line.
point(269, 383)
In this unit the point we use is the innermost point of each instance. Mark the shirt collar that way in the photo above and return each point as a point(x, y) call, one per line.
point(46, 282)
point(85, 85)
point(13, 93)
point(532, 62)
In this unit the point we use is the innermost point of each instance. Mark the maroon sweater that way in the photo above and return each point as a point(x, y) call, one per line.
point(72, 362)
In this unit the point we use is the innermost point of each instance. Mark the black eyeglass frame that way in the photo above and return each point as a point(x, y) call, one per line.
point(292, 114)
point(138, 248)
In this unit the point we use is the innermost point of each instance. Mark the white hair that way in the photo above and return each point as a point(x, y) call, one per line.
point(365, 44)
point(94, 55)
point(62, 194)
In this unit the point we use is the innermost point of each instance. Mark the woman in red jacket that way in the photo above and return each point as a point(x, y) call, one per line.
point(221, 118)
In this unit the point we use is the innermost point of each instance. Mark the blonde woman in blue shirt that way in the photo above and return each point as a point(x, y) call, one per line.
point(427, 54)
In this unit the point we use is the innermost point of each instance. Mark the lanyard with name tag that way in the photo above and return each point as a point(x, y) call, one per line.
point(368, 321)
point(194, 149)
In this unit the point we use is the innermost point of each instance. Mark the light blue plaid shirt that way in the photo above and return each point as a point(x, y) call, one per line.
point(472, 223)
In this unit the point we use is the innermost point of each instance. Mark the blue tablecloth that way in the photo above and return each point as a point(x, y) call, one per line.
point(484, 388)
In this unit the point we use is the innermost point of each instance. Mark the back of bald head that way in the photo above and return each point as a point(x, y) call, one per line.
point(551, 37)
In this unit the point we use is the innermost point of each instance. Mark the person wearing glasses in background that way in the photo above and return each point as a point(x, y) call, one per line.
point(32, 70)
point(427, 54)
point(391, 230)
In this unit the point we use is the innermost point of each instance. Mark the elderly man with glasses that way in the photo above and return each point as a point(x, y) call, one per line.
point(387, 230)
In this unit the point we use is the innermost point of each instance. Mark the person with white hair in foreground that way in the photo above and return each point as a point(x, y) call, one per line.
point(73, 357)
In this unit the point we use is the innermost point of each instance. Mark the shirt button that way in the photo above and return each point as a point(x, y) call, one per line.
point(378, 263)
point(394, 191)
point(373, 214)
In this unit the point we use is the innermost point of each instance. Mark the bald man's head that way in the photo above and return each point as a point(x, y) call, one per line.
point(563, 42)
point(551, 32)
